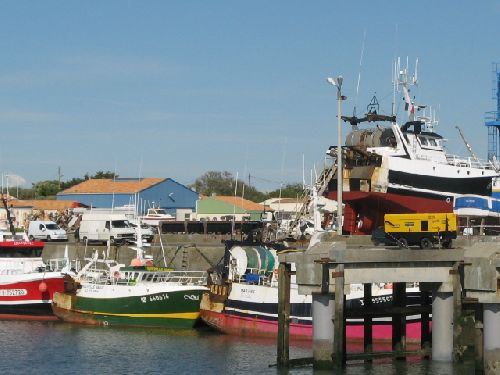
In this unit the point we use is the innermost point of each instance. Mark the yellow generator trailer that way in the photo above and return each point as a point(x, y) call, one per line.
point(424, 230)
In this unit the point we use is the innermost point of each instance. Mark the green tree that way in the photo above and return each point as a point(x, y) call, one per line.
point(102, 174)
point(223, 183)
point(46, 188)
point(288, 191)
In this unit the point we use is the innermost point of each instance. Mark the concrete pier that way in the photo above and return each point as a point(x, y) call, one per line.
point(442, 326)
point(491, 316)
point(482, 284)
point(322, 314)
point(431, 269)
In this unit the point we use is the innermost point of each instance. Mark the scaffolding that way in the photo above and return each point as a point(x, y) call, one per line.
point(492, 119)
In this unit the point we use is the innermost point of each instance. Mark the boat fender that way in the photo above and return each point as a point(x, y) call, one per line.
point(42, 287)
point(275, 272)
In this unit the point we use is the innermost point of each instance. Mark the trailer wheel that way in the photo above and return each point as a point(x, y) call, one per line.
point(447, 244)
point(425, 243)
point(403, 243)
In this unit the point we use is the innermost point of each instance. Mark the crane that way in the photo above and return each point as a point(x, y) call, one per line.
point(467, 144)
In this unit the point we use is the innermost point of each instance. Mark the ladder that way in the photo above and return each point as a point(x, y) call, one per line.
point(320, 185)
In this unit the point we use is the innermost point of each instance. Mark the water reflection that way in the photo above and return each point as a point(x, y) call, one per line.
point(59, 348)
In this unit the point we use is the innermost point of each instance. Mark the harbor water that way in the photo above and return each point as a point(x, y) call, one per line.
point(62, 348)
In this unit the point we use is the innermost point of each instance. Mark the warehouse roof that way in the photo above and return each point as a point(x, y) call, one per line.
point(243, 203)
point(107, 185)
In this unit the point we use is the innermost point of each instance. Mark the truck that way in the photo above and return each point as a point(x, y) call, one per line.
point(422, 229)
point(106, 227)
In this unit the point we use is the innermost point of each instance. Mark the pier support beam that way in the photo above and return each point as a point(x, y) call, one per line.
point(322, 315)
point(425, 331)
point(399, 319)
point(368, 321)
point(284, 275)
point(491, 321)
point(339, 345)
point(442, 326)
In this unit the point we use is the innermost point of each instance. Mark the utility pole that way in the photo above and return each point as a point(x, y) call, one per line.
point(59, 176)
point(337, 82)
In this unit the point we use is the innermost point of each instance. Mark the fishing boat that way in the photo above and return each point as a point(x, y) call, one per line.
point(402, 168)
point(140, 294)
point(243, 299)
point(27, 284)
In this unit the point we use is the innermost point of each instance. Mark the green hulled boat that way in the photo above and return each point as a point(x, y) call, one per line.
point(133, 296)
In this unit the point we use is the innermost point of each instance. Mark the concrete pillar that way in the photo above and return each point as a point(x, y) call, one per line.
point(322, 314)
point(442, 326)
point(491, 321)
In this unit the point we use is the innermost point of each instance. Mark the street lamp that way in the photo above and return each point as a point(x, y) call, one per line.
point(337, 82)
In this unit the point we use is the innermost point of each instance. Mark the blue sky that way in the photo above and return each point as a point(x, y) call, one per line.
point(177, 88)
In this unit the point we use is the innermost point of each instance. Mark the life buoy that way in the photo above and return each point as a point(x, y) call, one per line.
point(116, 275)
point(448, 200)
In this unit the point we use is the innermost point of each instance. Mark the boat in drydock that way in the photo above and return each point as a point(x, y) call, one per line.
point(402, 168)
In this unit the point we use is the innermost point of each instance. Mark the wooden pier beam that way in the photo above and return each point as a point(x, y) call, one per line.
point(425, 332)
point(284, 272)
point(479, 339)
point(339, 347)
point(368, 321)
point(399, 319)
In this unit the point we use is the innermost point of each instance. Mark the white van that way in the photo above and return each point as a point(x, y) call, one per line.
point(46, 230)
point(105, 227)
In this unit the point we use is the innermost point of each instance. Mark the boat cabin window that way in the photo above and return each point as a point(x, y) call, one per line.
point(155, 278)
point(432, 142)
point(423, 141)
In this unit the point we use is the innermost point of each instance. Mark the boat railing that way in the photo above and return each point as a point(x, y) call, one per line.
point(171, 277)
point(469, 162)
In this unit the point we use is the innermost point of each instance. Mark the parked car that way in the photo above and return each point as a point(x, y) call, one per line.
point(46, 230)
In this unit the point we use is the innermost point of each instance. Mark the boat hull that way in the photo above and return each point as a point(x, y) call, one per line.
point(169, 308)
point(29, 296)
point(253, 311)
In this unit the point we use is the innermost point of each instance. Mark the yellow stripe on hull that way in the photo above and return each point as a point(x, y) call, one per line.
point(192, 315)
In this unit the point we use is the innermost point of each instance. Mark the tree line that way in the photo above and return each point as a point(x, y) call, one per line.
point(211, 182)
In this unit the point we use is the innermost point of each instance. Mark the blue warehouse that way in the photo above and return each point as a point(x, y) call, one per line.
point(147, 192)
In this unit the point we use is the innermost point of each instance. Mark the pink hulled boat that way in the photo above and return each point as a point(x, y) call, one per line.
point(243, 300)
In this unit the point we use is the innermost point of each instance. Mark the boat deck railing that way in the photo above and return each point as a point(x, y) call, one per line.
point(469, 162)
point(257, 276)
point(171, 277)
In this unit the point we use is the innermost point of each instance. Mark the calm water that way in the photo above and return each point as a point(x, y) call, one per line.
point(60, 348)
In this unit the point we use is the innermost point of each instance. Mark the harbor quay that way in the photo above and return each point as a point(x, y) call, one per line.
point(459, 288)
point(178, 251)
